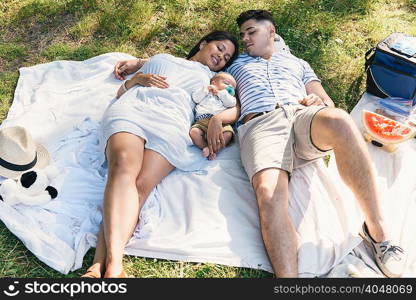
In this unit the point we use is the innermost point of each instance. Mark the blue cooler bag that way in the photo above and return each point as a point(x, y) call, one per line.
point(391, 67)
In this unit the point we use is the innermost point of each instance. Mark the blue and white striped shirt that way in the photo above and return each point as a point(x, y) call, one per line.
point(261, 83)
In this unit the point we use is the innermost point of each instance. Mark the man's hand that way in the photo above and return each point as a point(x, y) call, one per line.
point(312, 99)
point(126, 67)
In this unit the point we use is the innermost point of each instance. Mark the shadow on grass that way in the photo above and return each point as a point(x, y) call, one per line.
point(306, 25)
point(44, 23)
point(345, 7)
point(354, 93)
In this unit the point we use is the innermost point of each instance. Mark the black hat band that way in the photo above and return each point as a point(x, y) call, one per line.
point(14, 167)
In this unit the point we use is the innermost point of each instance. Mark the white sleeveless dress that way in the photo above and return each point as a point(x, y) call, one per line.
point(162, 117)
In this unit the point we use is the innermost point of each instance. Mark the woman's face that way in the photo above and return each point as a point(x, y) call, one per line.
point(215, 54)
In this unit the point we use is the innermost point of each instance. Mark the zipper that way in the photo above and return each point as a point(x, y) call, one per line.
point(393, 70)
point(375, 82)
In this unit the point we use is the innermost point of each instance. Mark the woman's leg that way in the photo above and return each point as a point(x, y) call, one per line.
point(155, 168)
point(98, 264)
point(127, 146)
point(121, 200)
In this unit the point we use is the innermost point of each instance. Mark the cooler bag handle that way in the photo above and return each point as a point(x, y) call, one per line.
point(367, 54)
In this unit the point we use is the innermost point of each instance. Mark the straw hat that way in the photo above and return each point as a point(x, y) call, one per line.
point(19, 152)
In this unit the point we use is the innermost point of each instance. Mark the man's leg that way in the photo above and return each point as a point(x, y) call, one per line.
point(279, 234)
point(334, 128)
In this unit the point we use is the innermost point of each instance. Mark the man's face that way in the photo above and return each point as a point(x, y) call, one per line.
point(256, 36)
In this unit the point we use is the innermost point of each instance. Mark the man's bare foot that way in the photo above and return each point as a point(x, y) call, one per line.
point(212, 156)
point(205, 152)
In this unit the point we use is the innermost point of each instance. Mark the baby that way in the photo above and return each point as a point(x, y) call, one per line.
point(211, 100)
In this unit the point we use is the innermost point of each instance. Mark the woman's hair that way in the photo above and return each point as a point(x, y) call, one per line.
point(217, 36)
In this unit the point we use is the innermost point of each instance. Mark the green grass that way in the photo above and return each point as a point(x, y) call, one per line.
point(332, 35)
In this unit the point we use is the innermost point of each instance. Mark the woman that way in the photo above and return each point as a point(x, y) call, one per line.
point(139, 154)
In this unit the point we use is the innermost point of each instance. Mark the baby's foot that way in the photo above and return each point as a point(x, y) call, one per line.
point(205, 152)
point(212, 156)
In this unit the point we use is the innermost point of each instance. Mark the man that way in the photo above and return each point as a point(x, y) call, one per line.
point(288, 120)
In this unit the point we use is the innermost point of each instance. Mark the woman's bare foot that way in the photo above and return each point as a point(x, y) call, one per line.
point(205, 152)
point(113, 270)
point(95, 271)
point(121, 274)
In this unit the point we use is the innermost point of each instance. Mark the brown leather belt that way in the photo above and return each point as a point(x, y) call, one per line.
point(251, 116)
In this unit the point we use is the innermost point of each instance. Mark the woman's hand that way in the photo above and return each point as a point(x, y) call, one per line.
point(150, 80)
point(126, 67)
point(215, 137)
point(143, 80)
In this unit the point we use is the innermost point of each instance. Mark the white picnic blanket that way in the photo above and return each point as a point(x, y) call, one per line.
point(397, 186)
point(209, 215)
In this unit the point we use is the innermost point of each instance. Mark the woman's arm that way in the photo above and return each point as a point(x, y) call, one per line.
point(143, 80)
point(126, 67)
point(214, 132)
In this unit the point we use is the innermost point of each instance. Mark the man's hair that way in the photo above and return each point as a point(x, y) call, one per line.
point(256, 14)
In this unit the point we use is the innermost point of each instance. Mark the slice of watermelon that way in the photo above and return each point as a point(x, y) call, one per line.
point(385, 130)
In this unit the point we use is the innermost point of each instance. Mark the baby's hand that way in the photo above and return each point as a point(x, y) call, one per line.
point(212, 156)
point(212, 89)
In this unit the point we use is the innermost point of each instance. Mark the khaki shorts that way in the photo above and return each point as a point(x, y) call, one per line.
point(279, 139)
point(203, 125)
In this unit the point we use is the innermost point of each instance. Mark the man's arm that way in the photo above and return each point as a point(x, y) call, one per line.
point(214, 132)
point(315, 87)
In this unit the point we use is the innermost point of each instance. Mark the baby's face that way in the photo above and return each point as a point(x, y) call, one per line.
point(221, 81)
